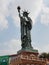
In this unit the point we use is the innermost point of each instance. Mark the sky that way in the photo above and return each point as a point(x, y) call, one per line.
point(10, 40)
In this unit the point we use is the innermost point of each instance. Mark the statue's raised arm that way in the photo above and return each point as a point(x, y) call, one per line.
point(18, 8)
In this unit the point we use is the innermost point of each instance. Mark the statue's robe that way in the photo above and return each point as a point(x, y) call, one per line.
point(26, 26)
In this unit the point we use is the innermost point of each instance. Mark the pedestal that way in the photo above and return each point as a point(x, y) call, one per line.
point(26, 58)
point(28, 50)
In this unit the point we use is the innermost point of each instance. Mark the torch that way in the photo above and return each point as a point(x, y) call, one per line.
point(18, 8)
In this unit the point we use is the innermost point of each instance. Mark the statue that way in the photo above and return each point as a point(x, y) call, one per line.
point(26, 26)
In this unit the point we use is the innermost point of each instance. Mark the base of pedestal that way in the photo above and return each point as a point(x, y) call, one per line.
point(30, 50)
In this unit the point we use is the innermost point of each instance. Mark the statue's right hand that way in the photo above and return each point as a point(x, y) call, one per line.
point(18, 8)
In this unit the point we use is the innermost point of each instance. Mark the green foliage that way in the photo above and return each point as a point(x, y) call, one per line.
point(44, 55)
point(48, 56)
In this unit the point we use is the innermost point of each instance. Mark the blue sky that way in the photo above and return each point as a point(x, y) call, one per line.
point(10, 41)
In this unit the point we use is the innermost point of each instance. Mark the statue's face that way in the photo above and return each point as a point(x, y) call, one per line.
point(25, 15)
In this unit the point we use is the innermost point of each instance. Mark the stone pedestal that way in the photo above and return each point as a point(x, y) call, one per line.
point(26, 58)
point(28, 52)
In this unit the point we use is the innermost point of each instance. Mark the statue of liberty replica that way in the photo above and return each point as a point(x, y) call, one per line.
point(27, 55)
point(26, 26)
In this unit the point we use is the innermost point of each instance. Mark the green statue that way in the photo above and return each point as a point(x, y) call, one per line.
point(26, 26)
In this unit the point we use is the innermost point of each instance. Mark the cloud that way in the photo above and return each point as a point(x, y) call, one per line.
point(3, 14)
point(13, 45)
point(46, 2)
point(10, 47)
point(3, 23)
point(45, 48)
point(45, 15)
point(16, 21)
point(41, 47)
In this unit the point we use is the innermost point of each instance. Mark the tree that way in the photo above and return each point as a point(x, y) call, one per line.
point(48, 56)
point(43, 55)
